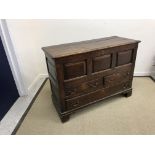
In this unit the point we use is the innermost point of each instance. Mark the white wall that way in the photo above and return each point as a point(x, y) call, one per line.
point(29, 36)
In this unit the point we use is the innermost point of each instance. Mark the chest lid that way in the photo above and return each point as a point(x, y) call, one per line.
point(62, 50)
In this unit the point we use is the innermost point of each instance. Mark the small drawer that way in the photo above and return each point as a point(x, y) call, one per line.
point(118, 77)
point(86, 87)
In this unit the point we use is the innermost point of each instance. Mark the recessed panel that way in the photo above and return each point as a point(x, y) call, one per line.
point(51, 70)
point(124, 57)
point(102, 63)
point(72, 70)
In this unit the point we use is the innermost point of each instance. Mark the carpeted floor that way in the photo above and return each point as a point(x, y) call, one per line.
point(118, 115)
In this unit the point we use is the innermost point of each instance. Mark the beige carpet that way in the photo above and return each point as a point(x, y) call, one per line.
point(118, 115)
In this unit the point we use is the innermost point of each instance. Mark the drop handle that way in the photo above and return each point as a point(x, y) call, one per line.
point(76, 104)
point(71, 92)
point(125, 86)
point(93, 85)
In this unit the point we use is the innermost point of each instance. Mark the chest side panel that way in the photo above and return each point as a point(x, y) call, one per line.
point(55, 83)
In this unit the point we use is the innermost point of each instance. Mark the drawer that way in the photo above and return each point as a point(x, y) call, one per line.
point(95, 96)
point(117, 77)
point(82, 88)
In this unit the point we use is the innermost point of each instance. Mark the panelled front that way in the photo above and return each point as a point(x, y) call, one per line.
point(118, 75)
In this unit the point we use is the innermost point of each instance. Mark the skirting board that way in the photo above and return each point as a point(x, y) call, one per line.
point(153, 76)
point(142, 73)
point(35, 81)
point(13, 117)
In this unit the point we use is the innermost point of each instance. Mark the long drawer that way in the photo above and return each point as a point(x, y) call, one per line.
point(85, 87)
point(77, 87)
point(94, 96)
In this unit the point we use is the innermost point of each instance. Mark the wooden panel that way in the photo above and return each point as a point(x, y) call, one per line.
point(55, 93)
point(51, 70)
point(53, 81)
point(96, 53)
point(72, 70)
point(97, 75)
point(102, 63)
point(124, 57)
point(60, 79)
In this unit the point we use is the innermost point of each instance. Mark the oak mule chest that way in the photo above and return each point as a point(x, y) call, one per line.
point(82, 73)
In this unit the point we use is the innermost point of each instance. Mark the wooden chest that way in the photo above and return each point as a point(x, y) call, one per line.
point(82, 73)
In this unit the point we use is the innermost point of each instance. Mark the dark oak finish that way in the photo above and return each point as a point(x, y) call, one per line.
point(85, 72)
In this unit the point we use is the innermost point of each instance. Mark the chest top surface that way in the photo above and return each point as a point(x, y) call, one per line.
point(62, 50)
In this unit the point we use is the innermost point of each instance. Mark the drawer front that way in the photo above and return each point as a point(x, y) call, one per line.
point(85, 87)
point(118, 77)
point(95, 96)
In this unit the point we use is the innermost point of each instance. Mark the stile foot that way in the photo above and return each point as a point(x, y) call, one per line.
point(127, 94)
point(64, 118)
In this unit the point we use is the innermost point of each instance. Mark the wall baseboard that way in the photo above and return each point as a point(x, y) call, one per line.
point(35, 81)
point(14, 116)
point(142, 73)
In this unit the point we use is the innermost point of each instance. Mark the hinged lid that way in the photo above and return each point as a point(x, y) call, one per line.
point(68, 49)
